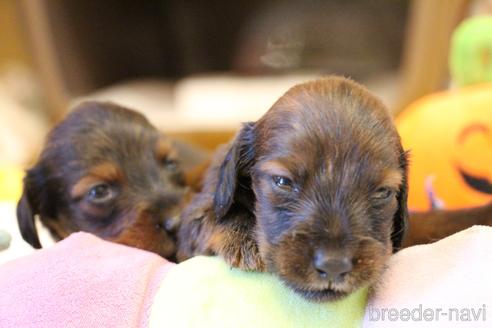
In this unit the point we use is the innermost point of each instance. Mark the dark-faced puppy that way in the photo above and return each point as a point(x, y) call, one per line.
point(105, 170)
point(314, 192)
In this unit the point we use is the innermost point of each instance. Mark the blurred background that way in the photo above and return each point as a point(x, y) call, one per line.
point(199, 68)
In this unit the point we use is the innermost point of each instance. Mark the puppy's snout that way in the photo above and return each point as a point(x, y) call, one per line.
point(331, 267)
point(165, 203)
point(166, 210)
point(171, 224)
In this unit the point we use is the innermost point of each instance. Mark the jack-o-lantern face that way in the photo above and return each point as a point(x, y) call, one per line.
point(449, 136)
point(475, 167)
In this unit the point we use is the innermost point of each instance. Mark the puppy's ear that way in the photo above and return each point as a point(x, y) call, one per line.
point(234, 172)
point(400, 220)
point(28, 207)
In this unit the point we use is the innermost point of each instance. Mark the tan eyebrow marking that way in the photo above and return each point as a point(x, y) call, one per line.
point(164, 149)
point(105, 172)
point(274, 168)
point(393, 178)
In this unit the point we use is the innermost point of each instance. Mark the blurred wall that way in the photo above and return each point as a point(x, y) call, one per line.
point(12, 48)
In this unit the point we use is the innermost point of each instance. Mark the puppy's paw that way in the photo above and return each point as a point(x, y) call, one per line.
point(238, 250)
point(245, 257)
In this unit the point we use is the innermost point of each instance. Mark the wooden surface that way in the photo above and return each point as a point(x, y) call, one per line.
point(424, 67)
point(34, 17)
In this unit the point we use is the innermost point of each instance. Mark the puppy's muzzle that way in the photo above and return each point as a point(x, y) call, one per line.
point(330, 267)
point(171, 224)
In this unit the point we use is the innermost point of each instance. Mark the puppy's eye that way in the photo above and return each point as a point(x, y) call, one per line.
point(383, 193)
point(284, 183)
point(100, 193)
point(170, 164)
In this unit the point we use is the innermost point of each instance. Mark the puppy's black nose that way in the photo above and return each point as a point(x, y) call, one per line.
point(331, 267)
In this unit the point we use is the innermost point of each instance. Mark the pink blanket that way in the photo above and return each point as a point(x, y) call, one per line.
point(86, 282)
point(118, 294)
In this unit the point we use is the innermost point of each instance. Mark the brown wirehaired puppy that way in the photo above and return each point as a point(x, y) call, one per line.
point(105, 170)
point(314, 192)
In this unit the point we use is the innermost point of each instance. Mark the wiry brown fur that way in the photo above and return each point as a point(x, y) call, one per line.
point(338, 145)
point(102, 143)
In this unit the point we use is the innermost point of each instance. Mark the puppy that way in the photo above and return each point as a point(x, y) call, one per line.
point(105, 170)
point(314, 192)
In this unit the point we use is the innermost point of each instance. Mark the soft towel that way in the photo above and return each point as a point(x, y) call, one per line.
point(205, 292)
point(82, 281)
point(444, 284)
point(86, 282)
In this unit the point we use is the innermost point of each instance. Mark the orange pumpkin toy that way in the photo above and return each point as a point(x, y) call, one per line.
point(449, 136)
